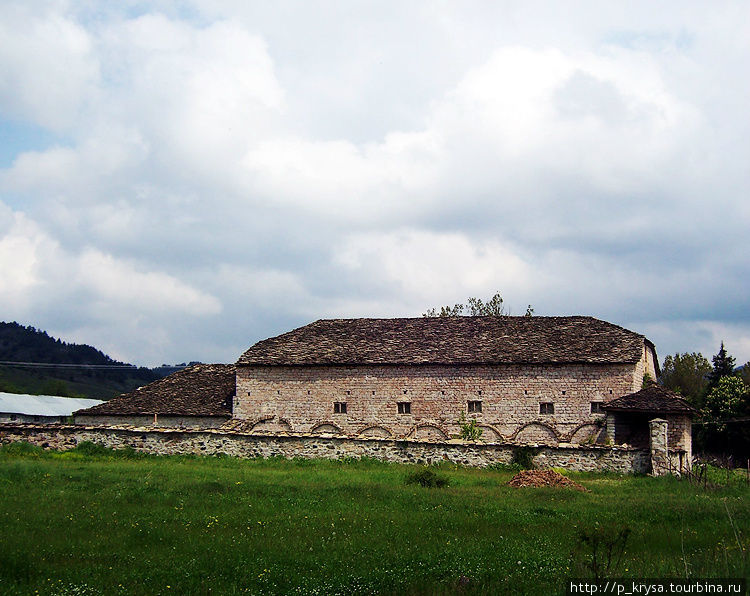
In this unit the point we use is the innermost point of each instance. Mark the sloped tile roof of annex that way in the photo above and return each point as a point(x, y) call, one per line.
point(653, 398)
point(451, 341)
point(198, 390)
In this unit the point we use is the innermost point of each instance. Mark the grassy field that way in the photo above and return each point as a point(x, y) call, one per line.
point(93, 521)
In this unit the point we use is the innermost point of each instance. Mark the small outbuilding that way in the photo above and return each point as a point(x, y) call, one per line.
point(199, 396)
point(628, 419)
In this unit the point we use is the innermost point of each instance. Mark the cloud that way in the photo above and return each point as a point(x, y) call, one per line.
point(42, 279)
point(48, 67)
point(226, 172)
point(429, 267)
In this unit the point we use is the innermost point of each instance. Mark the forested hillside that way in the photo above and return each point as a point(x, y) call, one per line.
point(31, 361)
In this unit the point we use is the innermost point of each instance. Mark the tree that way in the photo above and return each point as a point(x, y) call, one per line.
point(723, 367)
point(686, 374)
point(475, 307)
point(445, 311)
point(729, 399)
point(722, 429)
point(745, 373)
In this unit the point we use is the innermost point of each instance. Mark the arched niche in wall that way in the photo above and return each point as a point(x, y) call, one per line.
point(536, 432)
point(327, 428)
point(585, 433)
point(375, 431)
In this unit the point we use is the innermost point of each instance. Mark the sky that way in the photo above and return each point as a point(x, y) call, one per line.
point(179, 180)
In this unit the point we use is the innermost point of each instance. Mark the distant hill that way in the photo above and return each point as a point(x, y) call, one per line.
point(20, 344)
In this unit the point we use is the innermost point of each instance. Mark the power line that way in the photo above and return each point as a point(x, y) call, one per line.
point(61, 365)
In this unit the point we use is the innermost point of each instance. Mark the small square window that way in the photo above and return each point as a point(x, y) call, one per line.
point(475, 406)
point(249, 392)
point(563, 392)
point(546, 408)
point(596, 407)
point(404, 407)
point(339, 407)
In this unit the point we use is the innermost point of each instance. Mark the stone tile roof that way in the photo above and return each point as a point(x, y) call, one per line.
point(653, 398)
point(199, 390)
point(450, 340)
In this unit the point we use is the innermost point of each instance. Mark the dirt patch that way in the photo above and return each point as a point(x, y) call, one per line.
point(543, 478)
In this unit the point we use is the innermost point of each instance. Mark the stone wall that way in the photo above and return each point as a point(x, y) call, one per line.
point(212, 442)
point(647, 365)
point(151, 420)
point(302, 399)
point(31, 418)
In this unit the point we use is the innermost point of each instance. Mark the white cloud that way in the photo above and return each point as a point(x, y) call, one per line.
point(119, 285)
point(48, 67)
point(246, 171)
point(40, 278)
point(433, 267)
point(20, 245)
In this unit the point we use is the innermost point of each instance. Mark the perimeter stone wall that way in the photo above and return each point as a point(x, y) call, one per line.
point(303, 399)
point(214, 442)
point(151, 420)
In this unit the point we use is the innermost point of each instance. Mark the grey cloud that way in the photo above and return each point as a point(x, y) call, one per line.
point(614, 188)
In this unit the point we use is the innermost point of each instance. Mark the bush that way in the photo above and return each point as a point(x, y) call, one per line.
point(469, 429)
point(21, 448)
point(599, 550)
point(427, 478)
point(524, 457)
point(89, 448)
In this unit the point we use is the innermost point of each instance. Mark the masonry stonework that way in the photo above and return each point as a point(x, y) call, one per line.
point(303, 398)
point(151, 420)
point(215, 442)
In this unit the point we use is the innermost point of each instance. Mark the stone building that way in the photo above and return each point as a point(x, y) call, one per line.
point(532, 380)
point(524, 379)
point(628, 419)
point(199, 396)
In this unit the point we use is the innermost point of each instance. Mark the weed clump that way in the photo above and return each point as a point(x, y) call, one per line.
point(427, 478)
point(523, 457)
point(599, 550)
point(90, 448)
point(21, 448)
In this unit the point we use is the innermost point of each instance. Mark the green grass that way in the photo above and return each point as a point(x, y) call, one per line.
point(94, 521)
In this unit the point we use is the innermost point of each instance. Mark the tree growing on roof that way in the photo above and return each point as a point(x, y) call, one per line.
point(475, 307)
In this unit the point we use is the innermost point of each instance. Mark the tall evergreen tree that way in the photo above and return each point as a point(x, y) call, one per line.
point(723, 367)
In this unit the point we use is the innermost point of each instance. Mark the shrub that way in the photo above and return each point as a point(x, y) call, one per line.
point(89, 448)
point(469, 429)
point(21, 448)
point(524, 457)
point(427, 478)
point(599, 550)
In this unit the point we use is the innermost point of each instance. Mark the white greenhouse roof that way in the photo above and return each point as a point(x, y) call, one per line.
point(43, 405)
